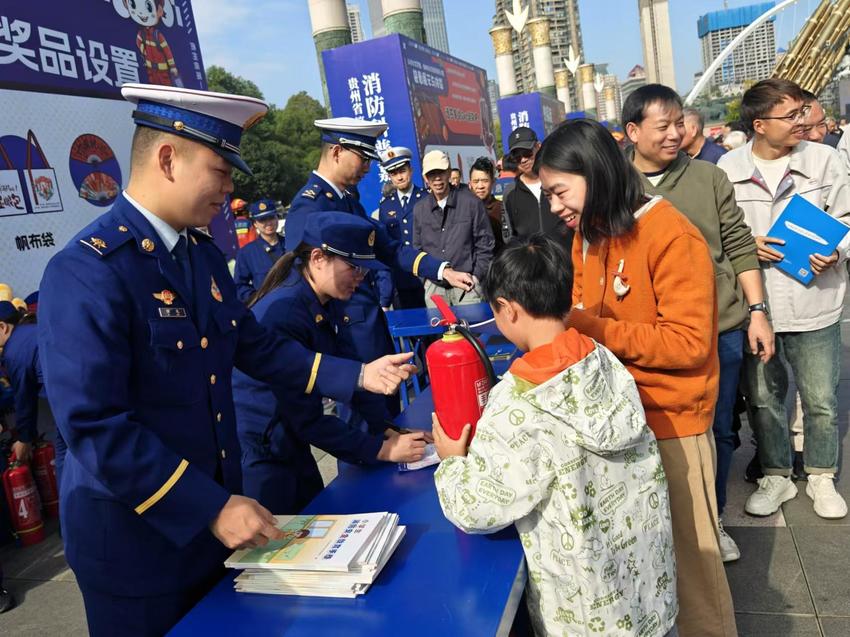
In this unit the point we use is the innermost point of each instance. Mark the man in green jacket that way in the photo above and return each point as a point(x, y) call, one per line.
point(654, 122)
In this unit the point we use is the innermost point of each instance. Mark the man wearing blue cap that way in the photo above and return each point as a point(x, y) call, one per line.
point(348, 147)
point(255, 259)
point(396, 213)
point(139, 330)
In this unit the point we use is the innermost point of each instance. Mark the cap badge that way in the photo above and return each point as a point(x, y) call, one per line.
point(263, 206)
point(166, 296)
point(371, 240)
point(390, 154)
point(148, 245)
point(216, 293)
point(178, 125)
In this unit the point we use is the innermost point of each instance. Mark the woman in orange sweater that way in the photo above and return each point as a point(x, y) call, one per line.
point(644, 288)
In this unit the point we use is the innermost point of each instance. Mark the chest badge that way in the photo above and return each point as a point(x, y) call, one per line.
point(621, 288)
point(166, 296)
point(216, 293)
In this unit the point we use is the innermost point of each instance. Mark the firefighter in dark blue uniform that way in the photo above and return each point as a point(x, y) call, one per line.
point(278, 468)
point(348, 147)
point(19, 345)
point(139, 330)
point(396, 213)
point(255, 260)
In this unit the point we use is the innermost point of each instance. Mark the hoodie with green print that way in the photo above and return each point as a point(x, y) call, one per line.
point(563, 451)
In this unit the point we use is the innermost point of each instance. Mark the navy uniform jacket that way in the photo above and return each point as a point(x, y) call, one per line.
point(363, 332)
point(140, 386)
point(253, 263)
point(284, 430)
point(20, 358)
point(398, 220)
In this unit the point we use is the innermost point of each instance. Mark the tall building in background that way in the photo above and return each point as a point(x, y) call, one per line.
point(376, 18)
point(435, 25)
point(657, 42)
point(355, 23)
point(753, 59)
point(564, 30)
point(634, 80)
point(493, 93)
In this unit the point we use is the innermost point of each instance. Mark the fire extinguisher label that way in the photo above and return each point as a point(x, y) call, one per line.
point(482, 391)
point(27, 498)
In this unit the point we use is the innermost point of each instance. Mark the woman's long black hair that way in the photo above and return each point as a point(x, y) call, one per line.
point(281, 269)
point(614, 188)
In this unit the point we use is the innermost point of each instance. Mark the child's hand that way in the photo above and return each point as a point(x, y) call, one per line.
point(446, 446)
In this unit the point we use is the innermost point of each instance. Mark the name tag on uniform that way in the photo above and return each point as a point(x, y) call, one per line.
point(172, 312)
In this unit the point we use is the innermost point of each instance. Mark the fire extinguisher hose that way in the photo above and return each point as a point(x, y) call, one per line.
point(482, 354)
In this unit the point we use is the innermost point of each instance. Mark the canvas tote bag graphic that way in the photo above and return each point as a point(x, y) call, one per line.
point(41, 183)
point(11, 190)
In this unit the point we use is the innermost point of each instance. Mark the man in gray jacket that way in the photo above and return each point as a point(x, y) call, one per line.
point(452, 223)
point(766, 173)
point(654, 121)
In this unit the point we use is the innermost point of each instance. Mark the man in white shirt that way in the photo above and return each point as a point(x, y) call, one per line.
point(776, 165)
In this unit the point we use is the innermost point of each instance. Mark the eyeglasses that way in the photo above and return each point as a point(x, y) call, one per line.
point(358, 269)
point(362, 157)
point(793, 116)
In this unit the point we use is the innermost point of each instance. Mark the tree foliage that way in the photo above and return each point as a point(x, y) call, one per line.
point(281, 149)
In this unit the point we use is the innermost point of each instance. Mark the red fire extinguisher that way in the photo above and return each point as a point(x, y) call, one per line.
point(461, 375)
point(23, 501)
point(44, 471)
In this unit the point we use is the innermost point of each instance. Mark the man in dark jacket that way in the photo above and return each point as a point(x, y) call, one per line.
point(452, 224)
point(526, 207)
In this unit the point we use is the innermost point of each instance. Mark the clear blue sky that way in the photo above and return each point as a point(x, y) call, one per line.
point(269, 41)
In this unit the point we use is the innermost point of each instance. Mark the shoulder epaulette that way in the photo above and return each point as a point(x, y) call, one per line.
point(106, 240)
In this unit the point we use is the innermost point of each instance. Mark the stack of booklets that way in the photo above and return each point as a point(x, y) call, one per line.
point(321, 555)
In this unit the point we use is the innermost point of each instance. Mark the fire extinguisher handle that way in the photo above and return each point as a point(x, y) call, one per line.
point(482, 354)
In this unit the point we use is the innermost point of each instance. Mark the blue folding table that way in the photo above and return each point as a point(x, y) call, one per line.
point(440, 581)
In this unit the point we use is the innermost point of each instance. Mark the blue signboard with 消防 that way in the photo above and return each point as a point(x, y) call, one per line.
point(536, 111)
point(806, 230)
point(428, 99)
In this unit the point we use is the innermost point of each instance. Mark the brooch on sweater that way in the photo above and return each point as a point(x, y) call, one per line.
point(621, 288)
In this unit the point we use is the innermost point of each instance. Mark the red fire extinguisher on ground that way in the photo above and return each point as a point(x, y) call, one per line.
point(461, 375)
point(44, 472)
point(24, 504)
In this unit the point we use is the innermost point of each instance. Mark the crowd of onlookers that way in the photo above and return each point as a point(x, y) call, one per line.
point(675, 273)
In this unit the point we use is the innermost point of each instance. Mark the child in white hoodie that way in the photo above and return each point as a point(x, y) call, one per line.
point(563, 451)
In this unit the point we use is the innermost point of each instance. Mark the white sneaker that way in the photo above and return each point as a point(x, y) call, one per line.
point(828, 503)
point(729, 551)
point(772, 492)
